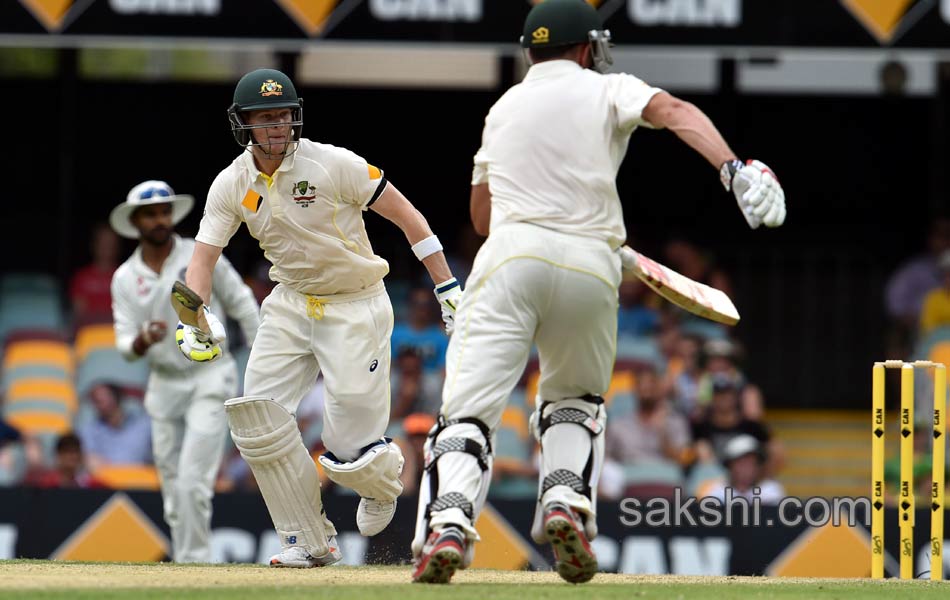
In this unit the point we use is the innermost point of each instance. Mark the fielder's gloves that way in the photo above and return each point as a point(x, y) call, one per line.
point(198, 345)
point(757, 190)
point(448, 293)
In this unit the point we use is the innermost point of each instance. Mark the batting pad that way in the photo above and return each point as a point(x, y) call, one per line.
point(268, 438)
point(375, 474)
point(571, 432)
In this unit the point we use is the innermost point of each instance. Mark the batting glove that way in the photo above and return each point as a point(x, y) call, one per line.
point(448, 293)
point(200, 346)
point(757, 190)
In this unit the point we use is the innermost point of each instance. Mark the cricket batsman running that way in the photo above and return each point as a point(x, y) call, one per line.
point(304, 202)
point(544, 186)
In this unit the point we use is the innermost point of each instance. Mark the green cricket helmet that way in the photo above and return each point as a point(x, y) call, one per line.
point(264, 89)
point(553, 23)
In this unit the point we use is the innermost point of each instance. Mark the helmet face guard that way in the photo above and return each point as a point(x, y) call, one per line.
point(600, 46)
point(242, 131)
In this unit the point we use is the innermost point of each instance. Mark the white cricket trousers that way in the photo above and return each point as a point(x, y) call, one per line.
point(531, 285)
point(188, 439)
point(348, 340)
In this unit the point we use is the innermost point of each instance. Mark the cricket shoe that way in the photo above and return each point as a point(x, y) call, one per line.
point(442, 554)
point(296, 557)
point(373, 516)
point(574, 559)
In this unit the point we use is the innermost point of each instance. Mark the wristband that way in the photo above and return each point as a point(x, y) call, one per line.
point(727, 171)
point(427, 247)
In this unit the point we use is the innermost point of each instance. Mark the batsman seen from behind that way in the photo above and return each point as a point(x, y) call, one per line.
point(304, 202)
point(544, 186)
point(185, 400)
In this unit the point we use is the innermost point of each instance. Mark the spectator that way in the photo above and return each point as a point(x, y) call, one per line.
point(637, 314)
point(416, 428)
point(723, 420)
point(936, 308)
point(413, 389)
point(69, 470)
point(89, 287)
point(745, 460)
point(654, 432)
point(115, 437)
point(721, 357)
point(911, 282)
point(687, 259)
point(683, 377)
point(422, 330)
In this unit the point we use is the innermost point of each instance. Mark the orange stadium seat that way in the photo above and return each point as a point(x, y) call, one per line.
point(46, 390)
point(33, 422)
point(39, 352)
point(128, 477)
point(93, 337)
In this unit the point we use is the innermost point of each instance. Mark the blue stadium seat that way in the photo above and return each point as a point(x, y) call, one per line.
point(30, 310)
point(107, 365)
point(29, 282)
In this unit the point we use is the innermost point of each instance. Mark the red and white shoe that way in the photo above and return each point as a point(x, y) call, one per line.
point(296, 557)
point(442, 554)
point(574, 559)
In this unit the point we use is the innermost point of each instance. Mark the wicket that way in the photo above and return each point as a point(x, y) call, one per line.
point(908, 502)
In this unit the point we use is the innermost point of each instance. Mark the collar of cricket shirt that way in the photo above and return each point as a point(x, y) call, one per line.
point(247, 159)
point(552, 68)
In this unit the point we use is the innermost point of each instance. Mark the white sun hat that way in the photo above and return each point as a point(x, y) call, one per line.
point(145, 193)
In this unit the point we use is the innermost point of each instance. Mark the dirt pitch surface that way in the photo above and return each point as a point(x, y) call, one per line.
point(49, 579)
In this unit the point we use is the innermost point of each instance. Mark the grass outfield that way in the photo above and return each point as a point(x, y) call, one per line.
point(48, 579)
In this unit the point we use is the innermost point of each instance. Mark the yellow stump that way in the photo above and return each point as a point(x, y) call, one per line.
point(939, 464)
point(907, 503)
point(877, 472)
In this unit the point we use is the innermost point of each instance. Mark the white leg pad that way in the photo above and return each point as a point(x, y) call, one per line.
point(375, 474)
point(269, 440)
point(572, 457)
point(454, 483)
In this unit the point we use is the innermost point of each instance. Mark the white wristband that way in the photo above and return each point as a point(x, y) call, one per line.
point(427, 247)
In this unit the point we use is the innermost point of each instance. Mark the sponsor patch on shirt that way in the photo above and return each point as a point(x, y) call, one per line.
point(252, 201)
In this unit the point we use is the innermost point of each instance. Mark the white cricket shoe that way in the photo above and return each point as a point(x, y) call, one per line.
point(373, 516)
point(297, 558)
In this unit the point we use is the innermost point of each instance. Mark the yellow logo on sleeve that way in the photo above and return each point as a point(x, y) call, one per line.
point(374, 173)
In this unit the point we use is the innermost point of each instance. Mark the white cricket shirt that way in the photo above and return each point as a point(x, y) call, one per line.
point(140, 295)
point(552, 145)
point(308, 217)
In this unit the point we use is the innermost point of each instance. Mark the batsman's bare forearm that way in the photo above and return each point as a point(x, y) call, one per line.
point(201, 269)
point(395, 207)
point(691, 125)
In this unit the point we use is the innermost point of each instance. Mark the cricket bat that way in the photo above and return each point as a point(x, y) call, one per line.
point(190, 307)
point(697, 298)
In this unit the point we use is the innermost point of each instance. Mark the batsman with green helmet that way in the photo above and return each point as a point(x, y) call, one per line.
point(304, 202)
point(544, 191)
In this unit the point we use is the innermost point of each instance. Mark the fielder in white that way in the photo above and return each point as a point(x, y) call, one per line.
point(184, 400)
point(304, 202)
point(544, 186)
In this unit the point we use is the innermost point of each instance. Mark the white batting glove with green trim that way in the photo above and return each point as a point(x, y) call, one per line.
point(200, 346)
point(449, 294)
